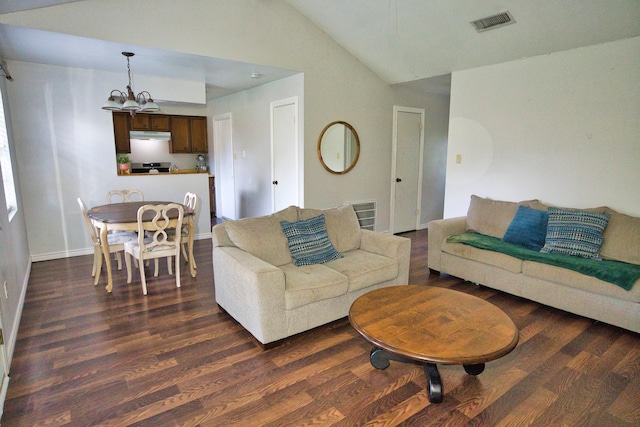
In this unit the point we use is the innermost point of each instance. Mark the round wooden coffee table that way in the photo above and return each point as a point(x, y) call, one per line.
point(429, 325)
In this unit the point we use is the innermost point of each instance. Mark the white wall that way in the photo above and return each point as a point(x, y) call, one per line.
point(65, 149)
point(15, 263)
point(563, 128)
point(251, 132)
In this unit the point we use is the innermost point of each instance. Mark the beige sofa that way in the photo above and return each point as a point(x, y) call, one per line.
point(259, 286)
point(552, 285)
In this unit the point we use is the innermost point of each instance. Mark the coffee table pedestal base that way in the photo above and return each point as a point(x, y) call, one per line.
point(380, 360)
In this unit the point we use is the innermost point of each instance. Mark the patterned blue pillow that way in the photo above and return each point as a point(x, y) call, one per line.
point(575, 232)
point(309, 242)
point(528, 228)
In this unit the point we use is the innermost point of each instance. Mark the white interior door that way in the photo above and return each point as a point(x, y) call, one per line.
point(406, 185)
point(284, 153)
point(225, 169)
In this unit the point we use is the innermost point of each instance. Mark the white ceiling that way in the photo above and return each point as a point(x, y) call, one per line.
point(407, 40)
point(417, 43)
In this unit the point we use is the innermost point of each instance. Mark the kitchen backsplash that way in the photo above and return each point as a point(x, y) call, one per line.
point(143, 151)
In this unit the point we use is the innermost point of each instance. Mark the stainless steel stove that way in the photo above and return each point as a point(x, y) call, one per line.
point(150, 167)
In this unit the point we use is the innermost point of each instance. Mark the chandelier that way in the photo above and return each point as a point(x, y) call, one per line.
point(127, 101)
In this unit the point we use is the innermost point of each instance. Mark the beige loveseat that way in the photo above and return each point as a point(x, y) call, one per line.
point(259, 286)
point(451, 251)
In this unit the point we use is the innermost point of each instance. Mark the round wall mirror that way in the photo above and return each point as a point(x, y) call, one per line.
point(338, 147)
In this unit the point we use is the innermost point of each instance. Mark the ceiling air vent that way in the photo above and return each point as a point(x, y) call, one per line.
point(493, 21)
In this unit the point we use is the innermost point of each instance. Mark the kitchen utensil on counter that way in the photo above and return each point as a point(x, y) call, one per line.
point(201, 163)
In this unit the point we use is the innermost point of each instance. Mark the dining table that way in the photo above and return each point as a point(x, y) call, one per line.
point(124, 217)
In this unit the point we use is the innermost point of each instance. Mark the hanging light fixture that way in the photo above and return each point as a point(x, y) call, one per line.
point(121, 101)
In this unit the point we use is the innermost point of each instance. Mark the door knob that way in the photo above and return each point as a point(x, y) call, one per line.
point(398, 180)
point(274, 182)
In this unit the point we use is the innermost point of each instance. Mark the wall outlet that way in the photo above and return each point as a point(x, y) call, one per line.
point(458, 158)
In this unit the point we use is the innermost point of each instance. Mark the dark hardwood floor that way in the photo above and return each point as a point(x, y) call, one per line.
point(172, 358)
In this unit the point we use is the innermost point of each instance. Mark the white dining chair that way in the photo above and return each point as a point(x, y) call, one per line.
point(155, 241)
point(190, 200)
point(121, 196)
point(116, 244)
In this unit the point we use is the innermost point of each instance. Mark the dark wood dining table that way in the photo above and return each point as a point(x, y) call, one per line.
point(124, 216)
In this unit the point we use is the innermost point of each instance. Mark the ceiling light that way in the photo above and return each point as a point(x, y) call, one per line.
point(127, 101)
point(255, 75)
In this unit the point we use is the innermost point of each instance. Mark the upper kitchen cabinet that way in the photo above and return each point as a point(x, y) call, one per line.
point(188, 134)
point(152, 122)
point(160, 123)
point(180, 134)
point(121, 132)
point(198, 128)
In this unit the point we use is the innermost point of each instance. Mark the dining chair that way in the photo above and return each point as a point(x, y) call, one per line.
point(190, 200)
point(155, 241)
point(121, 196)
point(116, 244)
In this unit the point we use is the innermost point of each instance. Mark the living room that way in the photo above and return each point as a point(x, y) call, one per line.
point(561, 127)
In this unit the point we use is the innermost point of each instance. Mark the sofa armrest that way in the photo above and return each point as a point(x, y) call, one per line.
point(251, 291)
point(394, 247)
point(219, 236)
point(439, 230)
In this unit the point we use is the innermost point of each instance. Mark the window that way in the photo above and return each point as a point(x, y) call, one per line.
point(5, 165)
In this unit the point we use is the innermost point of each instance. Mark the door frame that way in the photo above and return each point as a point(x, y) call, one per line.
point(394, 158)
point(272, 106)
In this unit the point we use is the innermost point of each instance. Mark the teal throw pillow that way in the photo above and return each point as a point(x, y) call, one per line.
point(528, 228)
point(575, 232)
point(309, 242)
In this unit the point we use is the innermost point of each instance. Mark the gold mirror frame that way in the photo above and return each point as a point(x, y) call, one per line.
point(355, 153)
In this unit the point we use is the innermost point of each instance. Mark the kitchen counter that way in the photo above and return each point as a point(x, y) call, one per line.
point(178, 172)
point(189, 171)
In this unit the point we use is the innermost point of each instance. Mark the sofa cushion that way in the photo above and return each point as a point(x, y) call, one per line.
point(342, 226)
point(496, 259)
point(262, 236)
point(621, 238)
point(492, 217)
point(309, 242)
point(528, 228)
point(365, 268)
point(575, 232)
point(574, 279)
point(310, 283)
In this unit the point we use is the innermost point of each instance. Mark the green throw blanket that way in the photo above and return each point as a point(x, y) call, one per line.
point(619, 273)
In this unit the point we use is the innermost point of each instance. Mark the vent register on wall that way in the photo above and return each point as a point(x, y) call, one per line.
point(366, 213)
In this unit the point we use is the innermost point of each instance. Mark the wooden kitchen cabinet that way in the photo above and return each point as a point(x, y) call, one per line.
point(160, 123)
point(121, 132)
point(180, 142)
point(152, 122)
point(140, 122)
point(188, 134)
point(198, 129)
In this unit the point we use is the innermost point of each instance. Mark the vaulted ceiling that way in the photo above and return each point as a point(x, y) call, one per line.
point(409, 42)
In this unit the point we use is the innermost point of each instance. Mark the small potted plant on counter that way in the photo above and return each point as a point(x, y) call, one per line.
point(124, 164)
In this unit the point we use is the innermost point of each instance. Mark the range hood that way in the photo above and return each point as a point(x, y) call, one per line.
point(163, 136)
